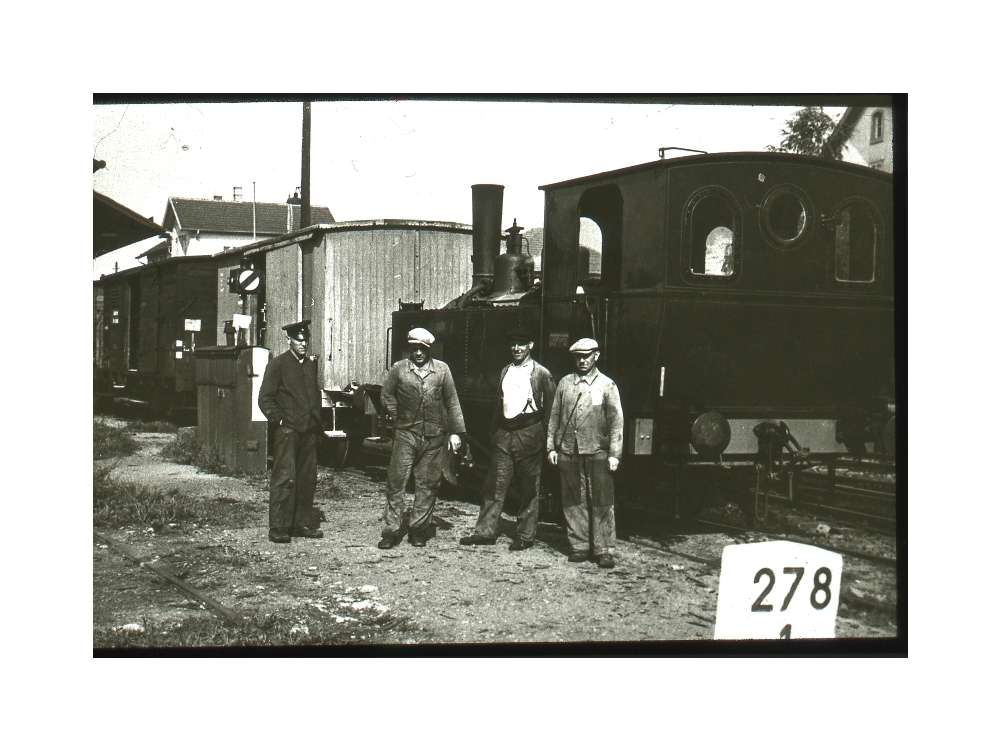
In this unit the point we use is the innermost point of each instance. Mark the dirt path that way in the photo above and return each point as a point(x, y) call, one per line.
point(342, 588)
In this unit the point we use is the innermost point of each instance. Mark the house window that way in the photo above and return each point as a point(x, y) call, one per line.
point(876, 164)
point(877, 127)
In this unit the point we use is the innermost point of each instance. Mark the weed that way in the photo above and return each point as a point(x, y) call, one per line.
point(270, 629)
point(112, 442)
point(118, 502)
point(158, 425)
point(186, 449)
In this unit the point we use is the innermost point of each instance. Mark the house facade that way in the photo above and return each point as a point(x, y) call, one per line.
point(205, 227)
point(864, 136)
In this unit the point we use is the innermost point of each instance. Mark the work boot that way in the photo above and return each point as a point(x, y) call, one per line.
point(307, 532)
point(387, 543)
point(578, 557)
point(519, 544)
point(279, 536)
point(418, 541)
point(606, 561)
point(476, 539)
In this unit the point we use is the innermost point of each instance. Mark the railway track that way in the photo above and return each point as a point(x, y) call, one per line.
point(211, 603)
point(859, 492)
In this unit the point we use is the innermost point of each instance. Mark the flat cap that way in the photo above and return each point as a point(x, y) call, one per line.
point(584, 346)
point(521, 335)
point(420, 336)
point(298, 330)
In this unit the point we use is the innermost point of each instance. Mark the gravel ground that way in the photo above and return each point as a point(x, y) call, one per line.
point(343, 589)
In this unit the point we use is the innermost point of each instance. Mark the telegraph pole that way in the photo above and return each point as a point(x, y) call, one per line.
point(306, 137)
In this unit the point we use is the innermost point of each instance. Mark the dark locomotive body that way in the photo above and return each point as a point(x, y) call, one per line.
point(753, 289)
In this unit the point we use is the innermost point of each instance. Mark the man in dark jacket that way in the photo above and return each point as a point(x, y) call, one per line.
point(290, 399)
point(520, 417)
point(419, 393)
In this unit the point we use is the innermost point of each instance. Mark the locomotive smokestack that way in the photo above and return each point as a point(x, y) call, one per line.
point(487, 208)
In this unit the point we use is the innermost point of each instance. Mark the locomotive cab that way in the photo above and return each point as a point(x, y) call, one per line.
point(728, 292)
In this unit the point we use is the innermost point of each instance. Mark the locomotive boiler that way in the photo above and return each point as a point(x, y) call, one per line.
point(743, 303)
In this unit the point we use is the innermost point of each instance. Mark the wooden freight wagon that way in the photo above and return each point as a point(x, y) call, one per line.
point(148, 322)
point(348, 278)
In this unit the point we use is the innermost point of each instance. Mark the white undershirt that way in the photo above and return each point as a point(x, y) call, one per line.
point(517, 395)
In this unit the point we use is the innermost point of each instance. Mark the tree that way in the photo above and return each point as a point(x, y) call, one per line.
point(806, 133)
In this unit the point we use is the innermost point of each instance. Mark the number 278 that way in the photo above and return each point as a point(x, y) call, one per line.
point(821, 585)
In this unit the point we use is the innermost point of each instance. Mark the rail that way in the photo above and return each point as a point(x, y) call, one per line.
point(216, 605)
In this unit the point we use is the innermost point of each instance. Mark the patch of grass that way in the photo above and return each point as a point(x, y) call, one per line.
point(270, 629)
point(185, 449)
point(158, 425)
point(118, 502)
point(112, 442)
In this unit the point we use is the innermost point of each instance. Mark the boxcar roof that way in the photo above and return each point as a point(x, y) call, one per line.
point(743, 156)
point(273, 243)
point(166, 262)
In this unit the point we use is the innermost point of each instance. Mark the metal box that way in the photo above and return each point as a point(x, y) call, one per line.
point(229, 422)
point(641, 436)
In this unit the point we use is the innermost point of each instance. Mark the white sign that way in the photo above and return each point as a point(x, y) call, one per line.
point(775, 590)
point(241, 321)
point(249, 280)
point(259, 360)
point(192, 324)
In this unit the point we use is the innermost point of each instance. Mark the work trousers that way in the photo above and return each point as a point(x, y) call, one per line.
point(293, 479)
point(588, 497)
point(517, 454)
point(424, 458)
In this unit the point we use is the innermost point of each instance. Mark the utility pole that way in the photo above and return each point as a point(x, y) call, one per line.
point(306, 137)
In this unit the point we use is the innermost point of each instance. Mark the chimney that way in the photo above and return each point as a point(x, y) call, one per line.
point(487, 207)
point(293, 200)
point(237, 193)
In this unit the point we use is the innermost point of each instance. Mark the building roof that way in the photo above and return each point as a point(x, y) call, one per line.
point(838, 137)
point(116, 226)
point(237, 216)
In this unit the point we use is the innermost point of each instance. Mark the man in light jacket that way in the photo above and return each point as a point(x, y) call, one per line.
point(419, 393)
point(585, 435)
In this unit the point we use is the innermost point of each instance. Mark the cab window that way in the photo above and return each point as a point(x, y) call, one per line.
point(599, 248)
point(855, 244)
point(711, 235)
point(590, 250)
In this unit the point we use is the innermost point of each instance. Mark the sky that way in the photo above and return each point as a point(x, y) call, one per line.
point(398, 159)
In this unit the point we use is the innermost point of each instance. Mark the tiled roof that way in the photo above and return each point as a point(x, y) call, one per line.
point(232, 216)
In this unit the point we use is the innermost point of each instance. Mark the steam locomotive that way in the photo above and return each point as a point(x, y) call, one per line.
point(743, 303)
